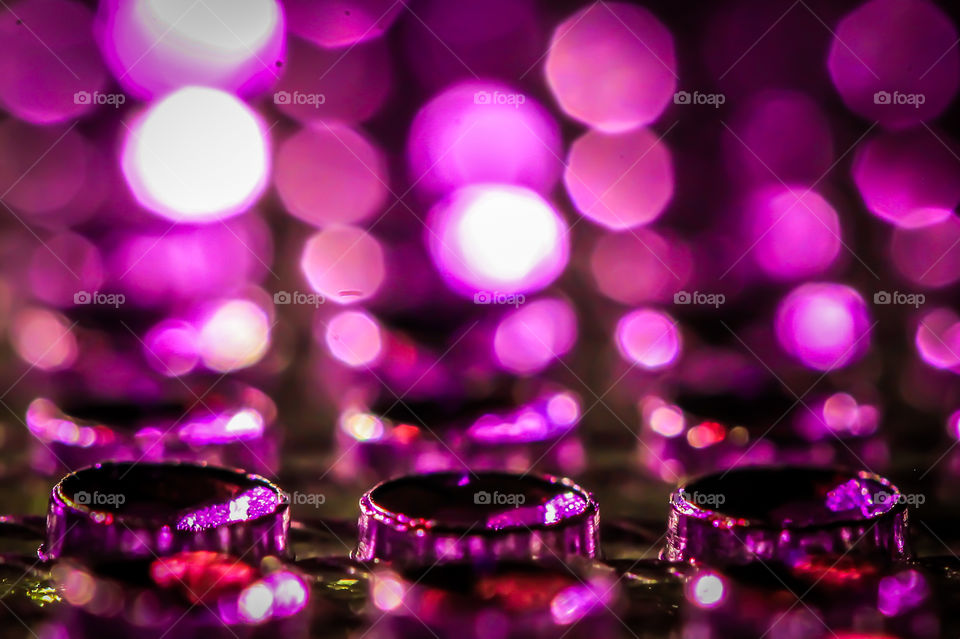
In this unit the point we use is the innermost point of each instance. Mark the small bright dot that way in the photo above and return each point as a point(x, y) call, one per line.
point(235, 335)
point(388, 592)
point(706, 434)
point(289, 593)
point(841, 412)
point(363, 427)
point(572, 604)
point(648, 337)
point(256, 602)
point(707, 591)
point(197, 155)
point(667, 421)
point(43, 339)
point(353, 337)
point(78, 586)
point(563, 409)
point(245, 422)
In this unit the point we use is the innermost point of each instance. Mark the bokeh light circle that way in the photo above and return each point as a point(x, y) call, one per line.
point(446, 41)
point(330, 174)
point(188, 262)
point(483, 132)
point(640, 266)
point(928, 256)
point(780, 136)
point(896, 61)
point(235, 334)
point(707, 591)
point(341, 23)
point(50, 70)
point(529, 338)
point(197, 155)
point(612, 66)
point(619, 181)
point(910, 179)
point(34, 158)
point(648, 338)
point(824, 325)
point(347, 86)
point(354, 338)
point(794, 232)
point(497, 238)
point(156, 46)
point(172, 347)
point(345, 264)
point(937, 338)
point(43, 339)
point(64, 265)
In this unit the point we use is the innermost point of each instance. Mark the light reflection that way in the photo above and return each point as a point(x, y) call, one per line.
point(707, 591)
point(248, 505)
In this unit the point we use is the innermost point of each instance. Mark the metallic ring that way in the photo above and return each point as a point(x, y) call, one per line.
point(464, 516)
point(125, 509)
point(784, 514)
